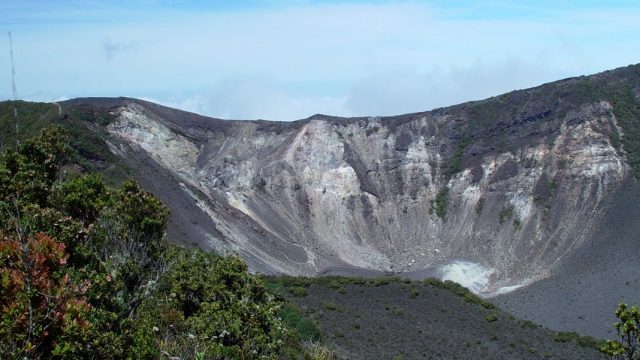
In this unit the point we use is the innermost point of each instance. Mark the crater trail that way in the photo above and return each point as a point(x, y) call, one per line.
point(497, 191)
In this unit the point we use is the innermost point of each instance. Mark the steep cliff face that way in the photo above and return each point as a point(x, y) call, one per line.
point(500, 190)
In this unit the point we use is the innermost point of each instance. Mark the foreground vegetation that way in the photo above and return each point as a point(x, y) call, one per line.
point(628, 327)
point(86, 272)
point(87, 150)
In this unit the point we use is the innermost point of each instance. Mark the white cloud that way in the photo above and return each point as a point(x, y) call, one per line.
point(113, 49)
point(297, 60)
point(396, 91)
point(255, 98)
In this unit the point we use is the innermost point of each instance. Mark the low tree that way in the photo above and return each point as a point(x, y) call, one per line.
point(86, 272)
point(628, 344)
point(210, 306)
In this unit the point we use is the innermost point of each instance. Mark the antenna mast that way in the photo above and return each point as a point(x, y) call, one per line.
point(13, 85)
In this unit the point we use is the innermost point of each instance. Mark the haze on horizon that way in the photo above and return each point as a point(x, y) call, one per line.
point(285, 60)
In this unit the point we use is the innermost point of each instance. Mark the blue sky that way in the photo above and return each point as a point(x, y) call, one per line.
point(285, 60)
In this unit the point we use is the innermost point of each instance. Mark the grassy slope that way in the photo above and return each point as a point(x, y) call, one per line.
point(32, 117)
point(388, 318)
point(86, 130)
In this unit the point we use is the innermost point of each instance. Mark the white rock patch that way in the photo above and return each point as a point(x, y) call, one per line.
point(473, 276)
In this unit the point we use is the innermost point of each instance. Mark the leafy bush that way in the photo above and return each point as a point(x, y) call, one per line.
point(381, 281)
point(331, 306)
point(628, 327)
point(459, 290)
point(85, 272)
point(335, 284)
point(517, 224)
point(584, 341)
point(211, 304)
point(43, 311)
point(289, 281)
point(505, 214)
point(397, 312)
point(589, 342)
point(306, 328)
point(479, 206)
point(491, 317)
point(319, 352)
point(298, 291)
point(614, 138)
point(432, 282)
point(440, 202)
point(414, 292)
point(528, 324)
point(455, 164)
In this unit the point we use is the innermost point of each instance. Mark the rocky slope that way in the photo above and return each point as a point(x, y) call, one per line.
point(494, 194)
point(583, 293)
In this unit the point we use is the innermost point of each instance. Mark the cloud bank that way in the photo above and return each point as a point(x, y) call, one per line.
point(296, 59)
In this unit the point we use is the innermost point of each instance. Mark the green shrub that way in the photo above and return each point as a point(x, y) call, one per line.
point(589, 342)
point(317, 351)
point(459, 290)
point(491, 317)
point(614, 137)
point(213, 304)
point(517, 224)
point(272, 284)
point(583, 341)
point(564, 337)
point(335, 284)
point(553, 186)
point(121, 291)
point(528, 324)
point(306, 328)
point(440, 202)
point(381, 281)
point(455, 164)
point(414, 292)
point(289, 281)
point(298, 291)
point(432, 282)
point(331, 306)
point(505, 214)
point(479, 206)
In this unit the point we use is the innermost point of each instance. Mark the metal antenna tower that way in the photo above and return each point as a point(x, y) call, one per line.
point(13, 85)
